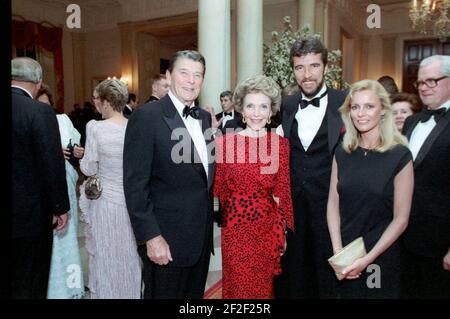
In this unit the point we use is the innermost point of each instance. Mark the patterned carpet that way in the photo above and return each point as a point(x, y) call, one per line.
point(215, 292)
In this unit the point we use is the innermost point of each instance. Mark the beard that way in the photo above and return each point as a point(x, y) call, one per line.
point(314, 93)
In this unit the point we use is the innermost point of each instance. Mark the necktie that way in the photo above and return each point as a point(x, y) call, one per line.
point(192, 111)
point(426, 114)
point(314, 102)
point(227, 114)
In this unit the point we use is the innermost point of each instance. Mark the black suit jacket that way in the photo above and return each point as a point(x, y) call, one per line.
point(127, 112)
point(234, 123)
point(164, 196)
point(39, 187)
point(152, 98)
point(428, 232)
point(289, 108)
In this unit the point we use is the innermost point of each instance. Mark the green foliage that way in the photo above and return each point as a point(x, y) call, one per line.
point(276, 57)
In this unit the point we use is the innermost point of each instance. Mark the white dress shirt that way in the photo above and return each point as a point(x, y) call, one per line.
point(421, 132)
point(227, 118)
point(310, 118)
point(195, 131)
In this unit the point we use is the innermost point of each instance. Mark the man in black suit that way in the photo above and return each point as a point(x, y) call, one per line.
point(168, 176)
point(160, 87)
point(311, 121)
point(39, 188)
point(426, 241)
point(130, 106)
point(229, 117)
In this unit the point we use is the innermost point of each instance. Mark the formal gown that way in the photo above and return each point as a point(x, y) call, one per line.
point(366, 204)
point(66, 275)
point(250, 172)
point(114, 264)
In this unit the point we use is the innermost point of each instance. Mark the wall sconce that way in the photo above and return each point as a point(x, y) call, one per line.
point(124, 79)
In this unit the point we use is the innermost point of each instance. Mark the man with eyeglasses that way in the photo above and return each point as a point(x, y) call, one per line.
point(426, 242)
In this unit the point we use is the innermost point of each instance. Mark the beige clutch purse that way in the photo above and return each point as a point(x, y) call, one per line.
point(347, 256)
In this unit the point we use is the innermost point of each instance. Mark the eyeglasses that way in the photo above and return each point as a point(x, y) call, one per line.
point(431, 83)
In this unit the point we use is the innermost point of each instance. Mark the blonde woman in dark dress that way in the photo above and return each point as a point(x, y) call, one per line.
point(370, 192)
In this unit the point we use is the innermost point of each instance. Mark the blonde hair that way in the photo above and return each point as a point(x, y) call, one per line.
point(389, 134)
point(115, 92)
point(258, 84)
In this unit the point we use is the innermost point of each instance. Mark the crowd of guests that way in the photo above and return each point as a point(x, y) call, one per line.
point(299, 174)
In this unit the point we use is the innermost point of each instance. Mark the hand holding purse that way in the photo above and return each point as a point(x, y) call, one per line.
point(344, 258)
point(93, 187)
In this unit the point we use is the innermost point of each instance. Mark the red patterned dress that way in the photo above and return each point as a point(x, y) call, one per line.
point(250, 172)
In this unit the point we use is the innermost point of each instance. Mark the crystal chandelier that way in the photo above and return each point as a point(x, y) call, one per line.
point(431, 17)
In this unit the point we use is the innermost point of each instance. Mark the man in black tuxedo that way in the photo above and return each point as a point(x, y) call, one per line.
point(311, 121)
point(229, 117)
point(39, 188)
point(130, 106)
point(160, 87)
point(426, 241)
point(168, 177)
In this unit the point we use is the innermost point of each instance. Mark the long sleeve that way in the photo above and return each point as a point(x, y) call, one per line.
point(219, 178)
point(138, 155)
point(282, 188)
point(89, 162)
point(50, 160)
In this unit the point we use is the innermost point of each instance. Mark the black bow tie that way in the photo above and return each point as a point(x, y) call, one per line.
point(227, 114)
point(192, 111)
point(314, 102)
point(426, 114)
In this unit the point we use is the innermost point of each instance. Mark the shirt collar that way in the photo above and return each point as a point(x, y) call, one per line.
point(322, 90)
point(178, 105)
point(445, 105)
point(18, 87)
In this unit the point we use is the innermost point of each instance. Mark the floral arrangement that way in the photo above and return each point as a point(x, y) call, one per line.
point(276, 57)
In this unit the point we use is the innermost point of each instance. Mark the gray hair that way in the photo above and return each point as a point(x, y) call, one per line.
point(26, 70)
point(444, 62)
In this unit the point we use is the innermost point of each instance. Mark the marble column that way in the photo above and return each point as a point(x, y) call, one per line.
point(249, 38)
point(129, 56)
point(214, 23)
point(307, 13)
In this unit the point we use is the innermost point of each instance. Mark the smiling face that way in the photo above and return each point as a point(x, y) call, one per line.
point(256, 110)
point(401, 110)
point(309, 71)
point(366, 111)
point(186, 80)
point(433, 97)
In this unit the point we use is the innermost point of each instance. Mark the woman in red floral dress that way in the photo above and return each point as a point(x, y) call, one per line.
point(253, 185)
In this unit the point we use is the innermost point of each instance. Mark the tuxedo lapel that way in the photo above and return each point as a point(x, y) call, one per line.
point(334, 120)
point(292, 107)
point(207, 134)
point(174, 121)
point(428, 144)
